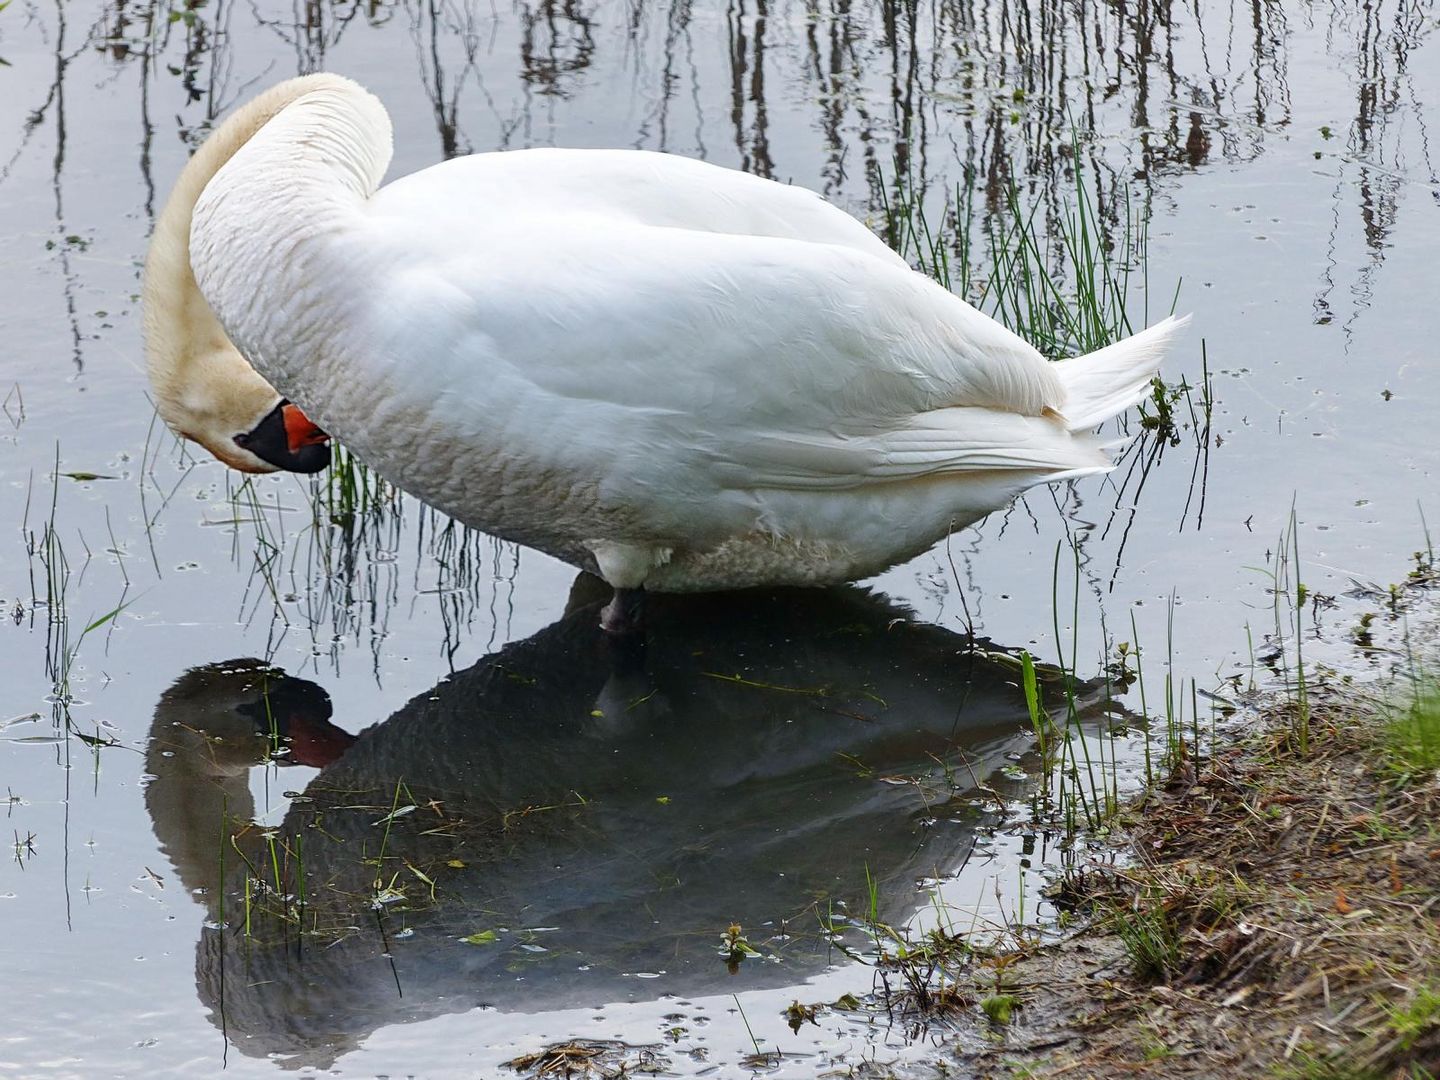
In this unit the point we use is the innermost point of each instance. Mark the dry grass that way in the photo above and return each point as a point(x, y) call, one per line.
point(590, 1059)
point(1280, 919)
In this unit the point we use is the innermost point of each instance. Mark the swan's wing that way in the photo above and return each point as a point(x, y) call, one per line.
point(956, 440)
point(623, 187)
point(664, 359)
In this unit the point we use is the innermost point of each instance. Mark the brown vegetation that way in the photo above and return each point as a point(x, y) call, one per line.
point(1279, 918)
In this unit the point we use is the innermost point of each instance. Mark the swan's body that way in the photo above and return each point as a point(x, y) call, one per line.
point(682, 376)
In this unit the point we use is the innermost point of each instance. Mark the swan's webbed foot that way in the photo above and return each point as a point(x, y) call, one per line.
point(624, 613)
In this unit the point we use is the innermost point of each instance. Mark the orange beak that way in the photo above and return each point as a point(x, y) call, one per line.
point(300, 430)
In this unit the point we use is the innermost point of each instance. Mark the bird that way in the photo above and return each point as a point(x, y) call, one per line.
point(677, 376)
point(557, 788)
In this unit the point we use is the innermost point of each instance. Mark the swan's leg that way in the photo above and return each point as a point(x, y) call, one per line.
point(625, 568)
point(624, 614)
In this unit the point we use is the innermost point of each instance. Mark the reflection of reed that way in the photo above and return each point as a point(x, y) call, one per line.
point(339, 578)
point(445, 97)
point(747, 85)
point(1002, 87)
point(314, 27)
point(1379, 42)
point(1002, 83)
point(64, 240)
point(678, 39)
point(556, 44)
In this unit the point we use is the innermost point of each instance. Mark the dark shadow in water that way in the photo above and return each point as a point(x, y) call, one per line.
point(596, 815)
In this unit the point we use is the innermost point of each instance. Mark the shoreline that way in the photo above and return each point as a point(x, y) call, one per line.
point(1277, 912)
point(1268, 907)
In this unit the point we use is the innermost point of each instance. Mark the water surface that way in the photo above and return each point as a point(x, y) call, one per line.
point(612, 815)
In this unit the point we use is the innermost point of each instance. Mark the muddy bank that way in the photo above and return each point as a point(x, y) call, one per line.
point(1279, 913)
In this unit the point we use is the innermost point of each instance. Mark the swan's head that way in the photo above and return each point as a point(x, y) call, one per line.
point(224, 718)
point(204, 388)
point(226, 407)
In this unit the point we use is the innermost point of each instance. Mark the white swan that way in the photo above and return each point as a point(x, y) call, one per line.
point(680, 376)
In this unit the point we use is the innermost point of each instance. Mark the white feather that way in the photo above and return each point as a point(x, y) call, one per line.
point(1105, 383)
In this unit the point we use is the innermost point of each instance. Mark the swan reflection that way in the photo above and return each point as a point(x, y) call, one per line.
point(556, 823)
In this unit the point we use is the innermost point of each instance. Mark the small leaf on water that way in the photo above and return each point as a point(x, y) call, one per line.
point(103, 619)
point(663, 800)
point(398, 812)
point(38, 740)
point(481, 937)
point(94, 740)
point(456, 864)
point(999, 1007)
point(88, 476)
point(798, 1014)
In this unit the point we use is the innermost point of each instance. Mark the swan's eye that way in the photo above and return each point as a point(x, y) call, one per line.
point(243, 439)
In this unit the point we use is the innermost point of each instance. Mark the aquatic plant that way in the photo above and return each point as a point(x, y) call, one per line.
point(1411, 743)
point(1062, 280)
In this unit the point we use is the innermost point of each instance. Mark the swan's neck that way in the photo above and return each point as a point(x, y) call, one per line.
point(303, 152)
point(269, 236)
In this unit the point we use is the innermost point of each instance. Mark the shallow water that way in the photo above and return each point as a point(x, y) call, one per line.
point(612, 816)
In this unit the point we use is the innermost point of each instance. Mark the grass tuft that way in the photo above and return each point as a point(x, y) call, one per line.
point(1059, 276)
point(352, 491)
point(1413, 1020)
point(1151, 936)
point(1411, 745)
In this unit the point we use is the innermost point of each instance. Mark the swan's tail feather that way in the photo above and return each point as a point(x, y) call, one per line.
point(1106, 382)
